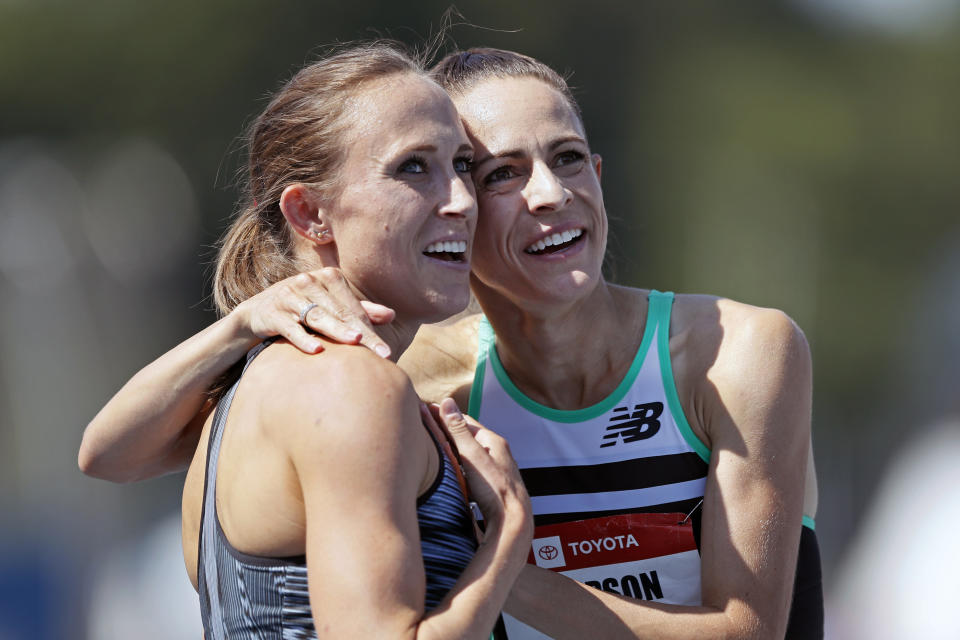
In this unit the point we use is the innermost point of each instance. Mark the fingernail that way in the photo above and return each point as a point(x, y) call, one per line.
point(450, 408)
point(382, 350)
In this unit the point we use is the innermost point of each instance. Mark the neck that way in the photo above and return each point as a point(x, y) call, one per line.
point(398, 335)
point(568, 357)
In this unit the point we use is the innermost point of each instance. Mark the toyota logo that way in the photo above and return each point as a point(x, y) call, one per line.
point(547, 552)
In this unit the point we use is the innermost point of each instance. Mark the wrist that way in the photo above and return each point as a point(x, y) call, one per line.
point(512, 533)
point(237, 329)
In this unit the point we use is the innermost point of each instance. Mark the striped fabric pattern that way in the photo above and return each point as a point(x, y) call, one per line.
point(447, 538)
point(244, 596)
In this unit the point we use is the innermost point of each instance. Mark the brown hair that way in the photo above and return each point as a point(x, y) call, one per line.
point(299, 138)
point(460, 71)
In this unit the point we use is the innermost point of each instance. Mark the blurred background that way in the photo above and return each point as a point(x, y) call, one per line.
point(802, 155)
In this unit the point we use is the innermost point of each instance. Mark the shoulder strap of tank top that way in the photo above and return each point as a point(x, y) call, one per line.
point(446, 449)
point(661, 304)
point(223, 409)
point(210, 477)
point(485, 339)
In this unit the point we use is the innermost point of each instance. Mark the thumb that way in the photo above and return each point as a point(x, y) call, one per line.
point(378, 313)
point(454, 422)
point(451, 416)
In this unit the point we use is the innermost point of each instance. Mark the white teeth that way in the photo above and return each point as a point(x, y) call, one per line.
point(446, 247)
point(556, 238)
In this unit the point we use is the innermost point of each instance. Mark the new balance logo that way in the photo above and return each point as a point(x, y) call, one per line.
point(630, 426)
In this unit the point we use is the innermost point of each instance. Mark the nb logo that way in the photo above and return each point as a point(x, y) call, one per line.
point(630, 426)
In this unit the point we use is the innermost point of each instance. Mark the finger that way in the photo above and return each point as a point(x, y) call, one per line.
point(461, 434)
point(453, 413)
point(327, 320)
point(346, 309)
point(493, 443)
point(497, 447)
point(378, 313)
point(298, 337)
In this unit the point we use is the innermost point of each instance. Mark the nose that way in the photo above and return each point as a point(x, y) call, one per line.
point(544, 192)
point(461, 202)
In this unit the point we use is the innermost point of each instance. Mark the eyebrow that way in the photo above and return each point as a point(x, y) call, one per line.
point(391, 156)
point(517, 153)
point(430, 148)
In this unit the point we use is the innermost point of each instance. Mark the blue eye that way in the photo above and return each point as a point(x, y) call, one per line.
point(416, 164)
point(462, 165)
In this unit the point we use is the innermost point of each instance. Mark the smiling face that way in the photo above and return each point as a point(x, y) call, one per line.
point(542, 230)
point(404, 215)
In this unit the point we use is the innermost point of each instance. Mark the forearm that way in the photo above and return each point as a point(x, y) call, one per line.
point(144, 430)
point(470, 609)
point(564, 608)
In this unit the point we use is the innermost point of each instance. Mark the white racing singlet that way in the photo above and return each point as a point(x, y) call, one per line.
point(615, 487)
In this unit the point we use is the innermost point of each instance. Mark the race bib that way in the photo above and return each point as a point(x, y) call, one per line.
point(648, 556)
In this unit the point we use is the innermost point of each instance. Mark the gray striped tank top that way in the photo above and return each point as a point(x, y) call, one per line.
point(244, 596)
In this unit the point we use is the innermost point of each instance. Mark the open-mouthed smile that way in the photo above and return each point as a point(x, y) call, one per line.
point(448, 251)
point(555, 242)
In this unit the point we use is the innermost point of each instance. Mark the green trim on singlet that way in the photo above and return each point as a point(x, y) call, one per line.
point(560, 415)
point(660, 305)
point(485, 340)
point(809, 523)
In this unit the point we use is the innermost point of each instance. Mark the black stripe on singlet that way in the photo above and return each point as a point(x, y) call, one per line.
point(640, 473)
point(680, 506)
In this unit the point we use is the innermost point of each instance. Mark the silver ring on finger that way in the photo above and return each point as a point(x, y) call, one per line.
point(305, 309)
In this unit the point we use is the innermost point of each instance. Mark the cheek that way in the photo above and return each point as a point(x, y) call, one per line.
point(493, 222)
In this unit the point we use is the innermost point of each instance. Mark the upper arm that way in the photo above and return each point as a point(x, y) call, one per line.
point(359, 456)
point(757, 415)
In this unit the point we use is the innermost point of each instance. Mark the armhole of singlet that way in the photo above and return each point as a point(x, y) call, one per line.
point(485, 338)
point(660, 306)
point(217, 418)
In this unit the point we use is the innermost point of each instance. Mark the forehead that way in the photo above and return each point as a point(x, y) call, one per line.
point(400, 110)
point(500, 112)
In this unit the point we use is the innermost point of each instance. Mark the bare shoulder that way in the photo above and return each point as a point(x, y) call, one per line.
point(724, 335)
point(442, 358)
point(317, 399)
point(736, 360)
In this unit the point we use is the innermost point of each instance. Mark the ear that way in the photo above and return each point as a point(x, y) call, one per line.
point(304, 213)
point(597, 161)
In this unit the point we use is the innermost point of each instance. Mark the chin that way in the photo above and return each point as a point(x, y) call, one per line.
point(572, 287)
point(440, 305)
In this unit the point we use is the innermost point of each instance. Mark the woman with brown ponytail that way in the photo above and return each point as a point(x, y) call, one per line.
point(323, 500)
point(664, 439)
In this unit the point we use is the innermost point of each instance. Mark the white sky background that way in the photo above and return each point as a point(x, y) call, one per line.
point(896, 16)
